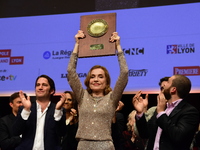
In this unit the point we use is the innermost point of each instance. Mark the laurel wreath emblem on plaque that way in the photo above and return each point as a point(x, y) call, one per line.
point(97, 27)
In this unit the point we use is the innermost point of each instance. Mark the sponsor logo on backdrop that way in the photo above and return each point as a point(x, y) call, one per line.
point(137, 73)
point(5, 53)
point(80, 75)
point(61, 54)
point(5, 58)
point(187, 70)
point(3, 70)
point(181, 48)
point(9, 77)
point(134, 51)
point(46, 55)
point(16, 60)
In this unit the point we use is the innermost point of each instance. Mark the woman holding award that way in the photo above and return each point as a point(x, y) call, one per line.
point(98, 102)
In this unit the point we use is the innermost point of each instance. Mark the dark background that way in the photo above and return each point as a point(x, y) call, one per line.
point(18, 8)
point(193, 99)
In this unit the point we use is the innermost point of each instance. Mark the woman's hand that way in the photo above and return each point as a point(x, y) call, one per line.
point(73, 118)
point(79, 35)
point(115, 38)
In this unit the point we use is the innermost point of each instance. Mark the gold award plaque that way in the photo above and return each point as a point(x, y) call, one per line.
point(97, 27)
point(98, 30)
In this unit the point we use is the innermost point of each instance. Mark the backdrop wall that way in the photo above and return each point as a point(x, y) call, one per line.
point(157, 42)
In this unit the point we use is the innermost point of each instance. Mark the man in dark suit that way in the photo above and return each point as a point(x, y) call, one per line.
point(37, 121)
point(175, 121)
point(7, 140)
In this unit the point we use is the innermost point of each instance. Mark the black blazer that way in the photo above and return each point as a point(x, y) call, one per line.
point(69, 141)
point(178, 129)
point(28, 129)
point(7, 140)
point(117, 129)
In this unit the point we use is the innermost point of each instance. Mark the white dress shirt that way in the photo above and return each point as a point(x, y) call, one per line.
point(39, 134)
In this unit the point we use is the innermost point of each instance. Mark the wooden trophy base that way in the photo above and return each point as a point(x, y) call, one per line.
point(98, 30)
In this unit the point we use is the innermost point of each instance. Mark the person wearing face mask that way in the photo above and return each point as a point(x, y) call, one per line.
point(173, 125)
point(98, 102)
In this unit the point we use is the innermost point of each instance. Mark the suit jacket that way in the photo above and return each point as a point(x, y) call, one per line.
point(69, 142)
point(28, 129)
point(117, 129)
point(178, 129)
point(7, 140)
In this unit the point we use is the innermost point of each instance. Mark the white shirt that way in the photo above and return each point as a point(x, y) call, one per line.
point(39, 134)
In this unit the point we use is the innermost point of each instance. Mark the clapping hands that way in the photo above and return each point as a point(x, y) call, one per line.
point(139, 103)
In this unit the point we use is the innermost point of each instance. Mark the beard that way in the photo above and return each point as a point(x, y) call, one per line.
point(167, 94)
